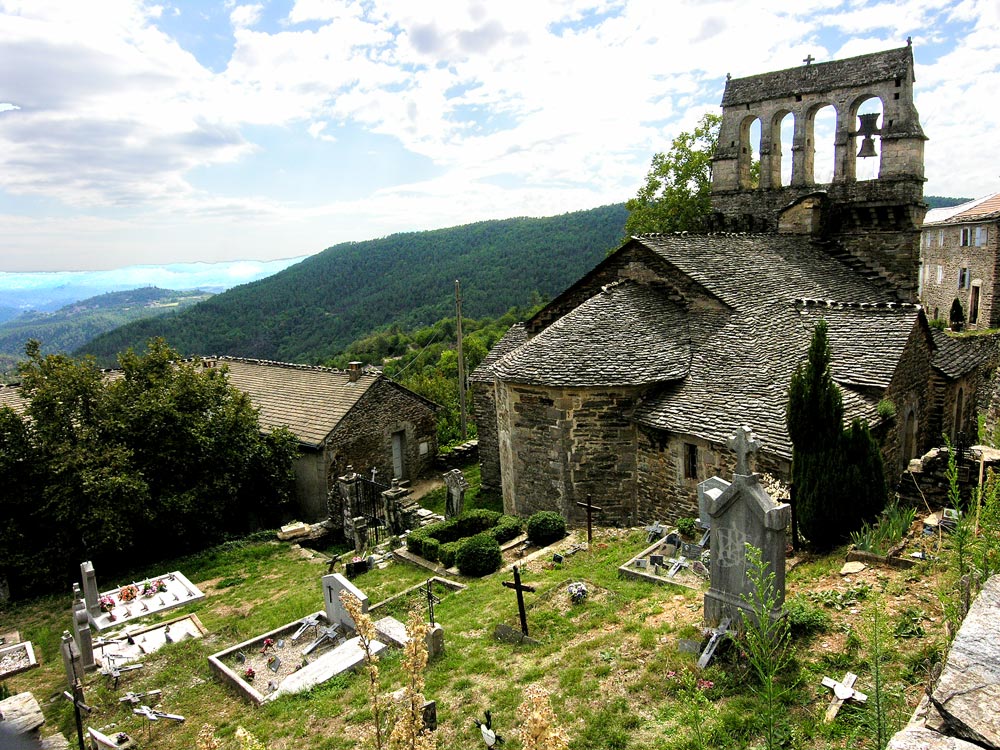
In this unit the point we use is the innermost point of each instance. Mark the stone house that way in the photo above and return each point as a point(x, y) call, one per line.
point(628, 384)
point(959, 260)
point(341, 418)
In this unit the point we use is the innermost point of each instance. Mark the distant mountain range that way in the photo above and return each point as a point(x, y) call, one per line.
point(314, 309)
point(74, 325)
point(49, 291)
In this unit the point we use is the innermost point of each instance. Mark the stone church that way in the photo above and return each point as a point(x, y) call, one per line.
point(627, 385)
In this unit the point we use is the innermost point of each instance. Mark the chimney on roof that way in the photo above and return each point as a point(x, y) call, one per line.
point(354, 371)
point(208, 363)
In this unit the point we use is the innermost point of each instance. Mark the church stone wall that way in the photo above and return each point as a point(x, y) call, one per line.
point(484, 412)
point(666, 494)
point(585, 443)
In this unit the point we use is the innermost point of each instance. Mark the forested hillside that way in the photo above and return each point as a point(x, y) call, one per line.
point(313, 310)
point(74, 325)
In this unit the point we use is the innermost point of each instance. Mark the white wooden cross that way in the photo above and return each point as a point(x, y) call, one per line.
point(743, 442)
point(842, 691)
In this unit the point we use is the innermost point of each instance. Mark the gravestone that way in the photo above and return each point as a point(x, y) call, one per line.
point(741, 514)
point(71, 659)
point(360, 527)
point(91, 594)
point(81, 631)
point(457, 485)
point(333, 584)
point(708, 491)
point(435, 641)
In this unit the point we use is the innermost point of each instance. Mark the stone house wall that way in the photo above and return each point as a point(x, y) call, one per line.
point(943, 258)
point(584, 439)
point(364, 437)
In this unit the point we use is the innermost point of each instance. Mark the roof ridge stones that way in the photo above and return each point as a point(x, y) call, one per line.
point(835, 304)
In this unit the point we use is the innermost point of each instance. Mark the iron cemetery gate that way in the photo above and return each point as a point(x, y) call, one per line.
point(372, 508)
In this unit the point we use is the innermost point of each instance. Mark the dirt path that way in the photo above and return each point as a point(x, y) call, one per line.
point(422, 486)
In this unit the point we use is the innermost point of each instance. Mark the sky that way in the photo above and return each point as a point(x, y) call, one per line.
point(136, 132)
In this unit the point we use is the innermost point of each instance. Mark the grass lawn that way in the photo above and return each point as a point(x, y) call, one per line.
point(611, 664)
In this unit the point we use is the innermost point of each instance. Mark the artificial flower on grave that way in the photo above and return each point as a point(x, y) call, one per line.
point(249, 674)
point(121, 738)
point(268, 643)
point(577, 592)
point(128, 593)
point(106, 603)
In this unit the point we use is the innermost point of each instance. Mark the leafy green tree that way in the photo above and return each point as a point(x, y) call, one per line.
point(161, 460)
point(677, 193)
point(837, 474)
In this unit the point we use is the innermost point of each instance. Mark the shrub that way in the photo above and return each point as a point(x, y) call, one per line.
point(478, 555)
point(431, 549)
point(506, 529)
point(938, 323)
point(448, 551)
point(956, 316)
point(546, 527)
point(804, 618)
point(686, 527)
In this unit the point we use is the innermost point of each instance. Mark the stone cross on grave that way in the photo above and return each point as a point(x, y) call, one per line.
point(520, 588)
point(743, 442)
point(590, 509)
point(809, 59)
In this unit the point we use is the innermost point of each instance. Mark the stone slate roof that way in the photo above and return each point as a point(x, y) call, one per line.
point(740, 355)
point(957, 357)
point(819, 77)
point(741, 367)
point(309, 401)
point(980, 209)
point(866, 341)
point(10, 395)
point(513, 338)
point(615, 338)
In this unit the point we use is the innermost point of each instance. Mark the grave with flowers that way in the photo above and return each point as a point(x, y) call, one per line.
point(110, 609)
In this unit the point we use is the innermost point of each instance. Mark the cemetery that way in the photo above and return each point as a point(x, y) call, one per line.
point(575, 619)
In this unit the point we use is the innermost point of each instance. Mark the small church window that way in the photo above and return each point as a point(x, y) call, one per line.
point(966, 236)
point(690, 461)
point(963, 278)
point(940, 274)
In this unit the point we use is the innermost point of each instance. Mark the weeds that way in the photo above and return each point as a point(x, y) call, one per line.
point(887, 532)
point(765, 639)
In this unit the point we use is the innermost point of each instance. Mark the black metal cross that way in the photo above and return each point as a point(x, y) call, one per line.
point(431, 600)
point(809, 59)
point(520, 588)
point(77, 699)
point(590, 509)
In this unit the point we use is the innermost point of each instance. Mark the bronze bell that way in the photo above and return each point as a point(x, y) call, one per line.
point(868, 129)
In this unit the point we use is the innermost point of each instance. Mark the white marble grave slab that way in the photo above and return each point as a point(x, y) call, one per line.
point(16, 658)
point(147, 639)
point(180, 591)
point(345, 657)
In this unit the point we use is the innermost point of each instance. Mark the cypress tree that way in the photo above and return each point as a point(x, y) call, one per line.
point(837, 473)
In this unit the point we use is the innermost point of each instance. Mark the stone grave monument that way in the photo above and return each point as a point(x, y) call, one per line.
point(741, 514)
point(457, 485)
point(81, 630)
point(333, 584)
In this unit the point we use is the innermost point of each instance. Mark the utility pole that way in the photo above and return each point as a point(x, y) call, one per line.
point(461, 359)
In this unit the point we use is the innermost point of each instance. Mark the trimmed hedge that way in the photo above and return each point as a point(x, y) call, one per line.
point(479, 555)
point(545, 527)
point(433, 542)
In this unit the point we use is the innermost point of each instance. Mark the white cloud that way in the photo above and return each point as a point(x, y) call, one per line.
point(561, 102)
point(245, 16)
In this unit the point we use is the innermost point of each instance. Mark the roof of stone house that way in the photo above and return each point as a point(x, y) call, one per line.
point(819, 77)
point(513, 338)
point(10, 395)
point(310, 401)
point(980, 209)
point(615, 338)
point(957, 357)
point(741, 354)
